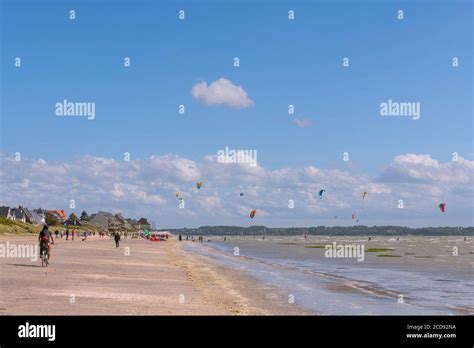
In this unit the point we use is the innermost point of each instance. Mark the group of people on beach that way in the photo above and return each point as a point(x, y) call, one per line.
point(45, 238)
point(60, 234)
point(66, 233)
point(200, 238)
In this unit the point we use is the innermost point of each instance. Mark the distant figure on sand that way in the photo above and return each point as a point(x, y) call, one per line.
point(117, 240)
point(67, 234)
point(180, 238)
point(73, 233)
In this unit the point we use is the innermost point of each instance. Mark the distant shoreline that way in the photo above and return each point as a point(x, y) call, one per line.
point(358, 230)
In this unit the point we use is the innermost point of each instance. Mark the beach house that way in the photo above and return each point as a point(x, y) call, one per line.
point(6, 212)
point(60, 215)
point(73, 220)
point(28, 215)
point(123, 221)
point(39, 215)
point(107, 221)
point(143, 223)
point(18, 214)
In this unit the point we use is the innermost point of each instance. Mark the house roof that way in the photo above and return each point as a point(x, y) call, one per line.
point(123, 221)
point(59, 213)
point(37, 217)
point(19, 214)
point(105, 213)
point(143, 221)
point(28, 214)
point(4, 211)
point(101, 219)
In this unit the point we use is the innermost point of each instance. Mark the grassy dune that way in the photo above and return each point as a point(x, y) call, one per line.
point(8, 227)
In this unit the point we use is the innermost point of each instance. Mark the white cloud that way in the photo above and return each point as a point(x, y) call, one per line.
point(221, 92)
point(147, 187)
point(424, 169)
point(302, 122)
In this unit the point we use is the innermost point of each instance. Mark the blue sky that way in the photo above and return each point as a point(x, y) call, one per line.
point(283, 62)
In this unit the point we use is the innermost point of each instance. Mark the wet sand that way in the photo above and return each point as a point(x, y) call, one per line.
point(433, 274)
point(156, 278)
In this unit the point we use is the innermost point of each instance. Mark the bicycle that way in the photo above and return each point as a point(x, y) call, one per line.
point(44, 255)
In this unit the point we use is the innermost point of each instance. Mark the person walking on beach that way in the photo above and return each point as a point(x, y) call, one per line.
point(73, 233)
point(117, 240)
point(67, 234)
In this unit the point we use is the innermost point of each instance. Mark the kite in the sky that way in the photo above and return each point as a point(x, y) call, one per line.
point(177, 194)
point(353, 216)
point(442, 207)
point(199, 184)
point(252, 213)
point(241, 194)
point(364, 194)
point(320, 193)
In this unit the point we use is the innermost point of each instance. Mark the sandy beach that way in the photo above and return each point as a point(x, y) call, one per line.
point(155, 278)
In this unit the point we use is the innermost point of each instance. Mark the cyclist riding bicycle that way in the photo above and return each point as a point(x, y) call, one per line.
point(45, 239)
